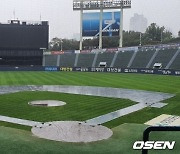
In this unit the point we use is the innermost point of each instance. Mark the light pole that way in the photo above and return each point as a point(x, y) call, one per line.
point(161, 35)
point(121, 28)
point(81, 25)
point(101, 5)
point(140, 39)
point(100, 24)
point(61, 44)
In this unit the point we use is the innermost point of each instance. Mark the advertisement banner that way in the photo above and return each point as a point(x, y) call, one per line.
point(52, 69)
point(85, 51)
point(66, 69)
point(57, 52)
point(112, 50)
point(128, 70)
point(110, 26)
point(94, 69)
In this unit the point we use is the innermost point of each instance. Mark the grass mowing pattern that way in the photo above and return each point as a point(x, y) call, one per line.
point(144, 115)
point(169, 84)
point(78, 107)
point(19, 141)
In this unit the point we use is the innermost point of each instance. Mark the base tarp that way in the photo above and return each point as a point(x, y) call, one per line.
point(165, 120)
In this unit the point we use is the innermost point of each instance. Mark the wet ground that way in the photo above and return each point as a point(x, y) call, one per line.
point(72, 131)
point(143, 98)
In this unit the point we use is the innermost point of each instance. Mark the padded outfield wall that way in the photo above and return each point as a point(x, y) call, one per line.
point(95, 69)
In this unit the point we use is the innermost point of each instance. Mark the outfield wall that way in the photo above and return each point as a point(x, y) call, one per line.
point(128, 70)
point(95, 69)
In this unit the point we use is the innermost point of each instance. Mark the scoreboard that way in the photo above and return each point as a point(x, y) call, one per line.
point(16, 35)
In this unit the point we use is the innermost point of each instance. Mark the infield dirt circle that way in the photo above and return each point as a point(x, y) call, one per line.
point(72, 131)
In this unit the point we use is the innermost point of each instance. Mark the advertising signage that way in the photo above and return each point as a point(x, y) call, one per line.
point(110, 24)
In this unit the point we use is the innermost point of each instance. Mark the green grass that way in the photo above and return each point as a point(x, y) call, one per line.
point(169, 84)
point(81, 108)
point(144, 115)
point(78, 107)
point(20, 141)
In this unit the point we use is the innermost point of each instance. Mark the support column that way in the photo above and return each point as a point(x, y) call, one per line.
point(81, 24)
point(121, 29)
point(100, 25)
point(140, 39)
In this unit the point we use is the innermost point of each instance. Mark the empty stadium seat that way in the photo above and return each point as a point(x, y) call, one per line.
point(67, 60)
point(50, 60)
point(163, 56)
point(85, 59)
point(105, 57)
point(176, 63)
point(123, 59)
point(142, 58)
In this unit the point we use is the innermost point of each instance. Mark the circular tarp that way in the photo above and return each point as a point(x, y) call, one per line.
point(72, 131)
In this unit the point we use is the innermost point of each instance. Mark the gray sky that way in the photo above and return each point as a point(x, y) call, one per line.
point(64, 22)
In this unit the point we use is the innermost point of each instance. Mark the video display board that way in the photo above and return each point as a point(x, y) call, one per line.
point(111, 22)
point(16, 36)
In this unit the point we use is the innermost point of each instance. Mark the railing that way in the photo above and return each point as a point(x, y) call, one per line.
point(156, 129)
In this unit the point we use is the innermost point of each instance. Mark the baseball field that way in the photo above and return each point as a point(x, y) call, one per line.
point(127, 129)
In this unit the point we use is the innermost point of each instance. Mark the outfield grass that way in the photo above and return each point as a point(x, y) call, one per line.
point(169, 84)
point(124, 134)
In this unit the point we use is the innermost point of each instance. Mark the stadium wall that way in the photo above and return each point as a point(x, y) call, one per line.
point(95, 69)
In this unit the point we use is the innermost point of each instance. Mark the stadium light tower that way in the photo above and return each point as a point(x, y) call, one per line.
point(61, 44)
point(81, 5)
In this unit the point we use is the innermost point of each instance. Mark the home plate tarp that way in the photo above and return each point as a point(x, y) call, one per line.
point(72, 131)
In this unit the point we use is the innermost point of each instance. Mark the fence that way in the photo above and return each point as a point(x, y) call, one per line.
point(95, 69)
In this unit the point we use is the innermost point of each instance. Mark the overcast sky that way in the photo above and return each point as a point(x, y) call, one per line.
point(64, 22)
